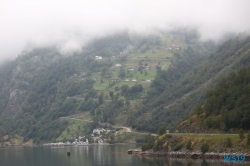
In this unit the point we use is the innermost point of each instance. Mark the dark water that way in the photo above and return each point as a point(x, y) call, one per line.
point(106, 155)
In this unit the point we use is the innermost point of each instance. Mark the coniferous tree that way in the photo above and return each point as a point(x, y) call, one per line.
point(204, 148)
point(188, 145)
point(229, 142)
point(162, 130)
point(241, 134)
point(248, 138)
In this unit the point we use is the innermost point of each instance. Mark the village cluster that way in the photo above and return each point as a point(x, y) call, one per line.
point(96, 135)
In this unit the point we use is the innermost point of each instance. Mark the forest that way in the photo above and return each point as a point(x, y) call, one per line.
point(228, 104)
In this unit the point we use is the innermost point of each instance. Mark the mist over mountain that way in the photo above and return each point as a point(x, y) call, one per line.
point(68, 26)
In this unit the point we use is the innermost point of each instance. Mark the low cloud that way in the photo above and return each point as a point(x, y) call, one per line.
point(68, 25)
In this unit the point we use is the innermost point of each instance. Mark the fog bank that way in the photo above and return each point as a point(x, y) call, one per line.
point(68, 25)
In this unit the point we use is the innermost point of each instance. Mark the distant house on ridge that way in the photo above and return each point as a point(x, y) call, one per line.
point(98, 57)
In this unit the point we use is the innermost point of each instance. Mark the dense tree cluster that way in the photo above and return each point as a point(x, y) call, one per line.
point(229, 103)
point(133, 92)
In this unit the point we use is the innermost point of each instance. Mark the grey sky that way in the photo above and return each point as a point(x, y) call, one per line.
point(68, 24)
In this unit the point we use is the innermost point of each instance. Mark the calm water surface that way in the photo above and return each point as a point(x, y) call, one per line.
point(106, 155)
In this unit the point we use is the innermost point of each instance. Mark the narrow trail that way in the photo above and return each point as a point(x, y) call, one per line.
point(151, 58)
point(118, 80)
point(67, 118)
point(82, 98)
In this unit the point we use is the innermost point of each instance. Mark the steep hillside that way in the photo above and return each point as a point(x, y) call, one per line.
point(168, 100)
point(195, 143)
point(108, 81)
point(226, 108)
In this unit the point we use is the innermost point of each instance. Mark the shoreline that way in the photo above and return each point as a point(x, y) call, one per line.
point(62, 145)
point(189, 155)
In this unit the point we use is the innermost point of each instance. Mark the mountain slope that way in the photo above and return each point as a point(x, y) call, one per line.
point(225, 108)
point(42, 85)
point(181, 96)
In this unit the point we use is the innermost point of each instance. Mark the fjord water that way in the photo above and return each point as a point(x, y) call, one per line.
point(94, 155)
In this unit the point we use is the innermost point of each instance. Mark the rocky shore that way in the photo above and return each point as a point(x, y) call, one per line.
point(192, 155)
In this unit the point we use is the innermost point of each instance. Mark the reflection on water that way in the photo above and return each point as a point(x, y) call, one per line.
point(106, 155)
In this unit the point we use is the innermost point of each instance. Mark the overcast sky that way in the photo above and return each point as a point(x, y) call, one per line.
point(68, 24)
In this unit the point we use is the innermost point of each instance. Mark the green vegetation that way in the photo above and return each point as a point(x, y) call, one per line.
point(101, 86)
point(248, 139)
point(229, 142)
point(188, 145)
point(241, 134)
point(204, 148)
point(231, 101)
point(128, 137)
point(175, 92)
point(226, 107)
point(196, 142)
point(73, 130)
point(162, 130)
point(149, 143)
point(140, 82)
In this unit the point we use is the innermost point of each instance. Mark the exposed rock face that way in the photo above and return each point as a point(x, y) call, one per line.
point(187, 127)
point(21, 78)
point(16, 86)
point(193, 125)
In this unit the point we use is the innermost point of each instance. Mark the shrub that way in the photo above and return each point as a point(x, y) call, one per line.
point(241, 134)
point(149, 142)
point(140, 140)
point(204, 148)
point(145, 147)
point(229, 142)
point(248, 139)
point(162, 130)
point(177, 147)
point(188, 145)
point(159, 142)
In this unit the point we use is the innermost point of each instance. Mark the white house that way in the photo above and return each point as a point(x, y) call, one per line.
point(100, 141)
point(118, 65)
point(98, 130)
point(98, 57)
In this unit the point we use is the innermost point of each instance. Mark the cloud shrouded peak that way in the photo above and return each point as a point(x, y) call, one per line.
point(68, 25)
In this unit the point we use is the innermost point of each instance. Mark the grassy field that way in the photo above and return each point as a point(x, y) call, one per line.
point(126, 137)
point(155, 52)
point(85, 116)
point(140, 76)
point(119, 84)
point(207, 136)
point(101, 86)
point(165, 65)
point(216, 142)
point(158, 55)
point(96, 75)
point(161, 51)
point(131, 63)
point(75, 128)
